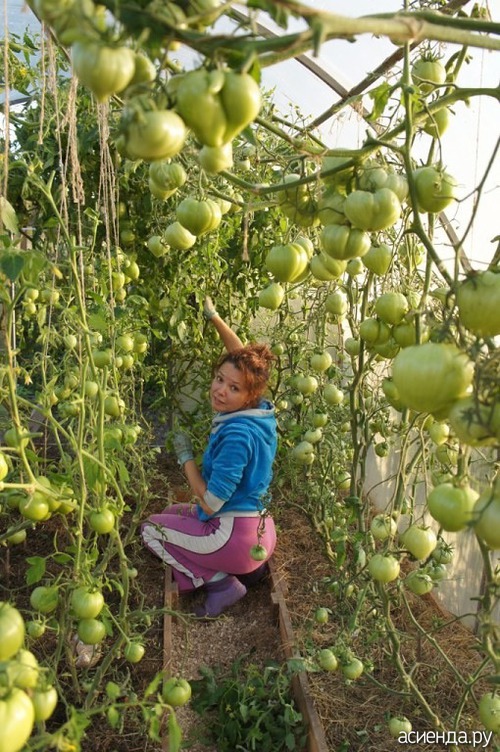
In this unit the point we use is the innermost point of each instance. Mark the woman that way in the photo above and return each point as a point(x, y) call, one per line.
point(209, 543)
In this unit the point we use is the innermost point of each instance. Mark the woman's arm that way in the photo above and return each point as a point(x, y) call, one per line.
point(197, 484)
point(229, 338)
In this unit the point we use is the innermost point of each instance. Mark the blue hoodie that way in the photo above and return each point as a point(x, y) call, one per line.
point(237, 463)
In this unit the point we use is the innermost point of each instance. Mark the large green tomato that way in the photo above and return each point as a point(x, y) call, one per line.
point(489, 711)
point(473, 422)
point(427, 73)
point(86, 602)
point(321, 361)
point(374, 331)
point(11, 631)
point(217, 105)
point(154, 134)
point(271, 297)
point(198, 216)
point(178, 237)
point(134, 652)
point(435, 189)
point(383, 568)
point(331, 209)
point(303, 453)
point(372, 211)
point(383, 526)
point(326, 268)
point(391, 307)
point(176, 692)
point(23, 670)
point(91, 631)
point(215, 159)
point(378, 259)
point(399, 724)
point(44, 598)
point(419, 582)
point(419, 541)
point(333, 395)
point(307, 384)
point(327, 660)
point(336, 303)
point(4, 466)
point(17, 717)
point(104, 70)
point(287, 262)
point(432, 376)
point(344, 243)
point(44, 703)
point(478, 301)
point(452, 506)
point(486, 517)
point(102, 521)
point(353, 669)
point(167, 175)
point(437, 123)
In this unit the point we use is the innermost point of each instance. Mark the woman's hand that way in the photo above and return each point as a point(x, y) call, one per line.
point(183, 447)
point(209, 310)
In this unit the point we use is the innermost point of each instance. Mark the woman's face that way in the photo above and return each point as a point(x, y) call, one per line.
point(229, 392)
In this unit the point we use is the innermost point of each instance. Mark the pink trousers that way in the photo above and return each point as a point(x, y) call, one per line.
point(197, 550)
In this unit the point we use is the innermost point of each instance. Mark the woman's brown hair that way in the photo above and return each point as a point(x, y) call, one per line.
point(255, 362)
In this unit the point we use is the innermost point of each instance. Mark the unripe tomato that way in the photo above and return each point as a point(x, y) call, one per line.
point(271, 296)
point(420, 541)
point(383, 526)
point(44, 598)
point(23, 670)
point(344, 243)
point(372, 211)
point(427, 73)
point(4, 466)
point(104, 70)
point(478, 301)
point(215, 159)
point(452, 506)
point(303, 453)
point(102, 521)
point(391, 307)
point(321, 615)
point(178, 237)
point(86, 602)
point(134, 652)
point(378, 259)
point(435, 189)
point(487, 517)
point(399, 724)
point(286, 262)
point(17, 717)
point(336, 303)
point(11, 631)
point(91, 631)
point(258, 552)
point(102, 358)
point(333, 395)
point(353, 669)
point(383, 568)
point(489, 711)
point(327, 660)
point(44, 702)
point(176, 692)
point(155, 134)
point(307, 384)
point(419, 582)
point(437, 123)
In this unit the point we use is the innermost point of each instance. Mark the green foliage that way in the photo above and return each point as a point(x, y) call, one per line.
point(251, 708)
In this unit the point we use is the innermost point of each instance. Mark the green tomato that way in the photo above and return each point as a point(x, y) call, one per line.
point(331, 208)
point(437, 123)
point(487, 517)
point(419, 582)
point(17, 717)
point(383, 568)
point(271, 296)
point(336, 303)
point(287, 262)
point(35, 507)
point(427, 73)
point(321, 361)
point(374, 331)
point(321, 615)
point(178, 237)
point(102, 521)
point(215, 159)
point(333, 395)
point(352, 346)
point(86, 602)
point(258, 552)
point(399, 724)
point(344, 243)
point(327, 660)
point(435, 189)
point(155, 134)
point(44, 703)
point(419, 541)
point(307, 384)
point(378, 259)
point(372, 211)
point(35, 629)
point(383, 526)
point(44, 598)
point(198, 217)
point(303, 453)
point(430, 377)
point(23, 670)
point(478, 301)
point(176, 692)
point(11, 631)
point(102, 69)
point(91, 631)
point(443, 553)
point(353, 669)
point(134, 652)
point(452, 506)
point(391, 307)
point(102, 358)
point(313, 435)
point(489, 711)
point(4, 466)
point(319, 420)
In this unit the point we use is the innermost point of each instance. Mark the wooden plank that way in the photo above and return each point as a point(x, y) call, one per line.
point(316, 740)
point(170, 597)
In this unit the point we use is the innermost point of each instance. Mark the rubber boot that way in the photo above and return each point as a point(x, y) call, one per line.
point(221, 595)
point(252, 578)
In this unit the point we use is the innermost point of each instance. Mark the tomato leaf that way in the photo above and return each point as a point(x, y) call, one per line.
point(278, 14)
point(36, 570)
point(380, 96)
point(11, 264)
point(174, 733)
point(8, 216)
